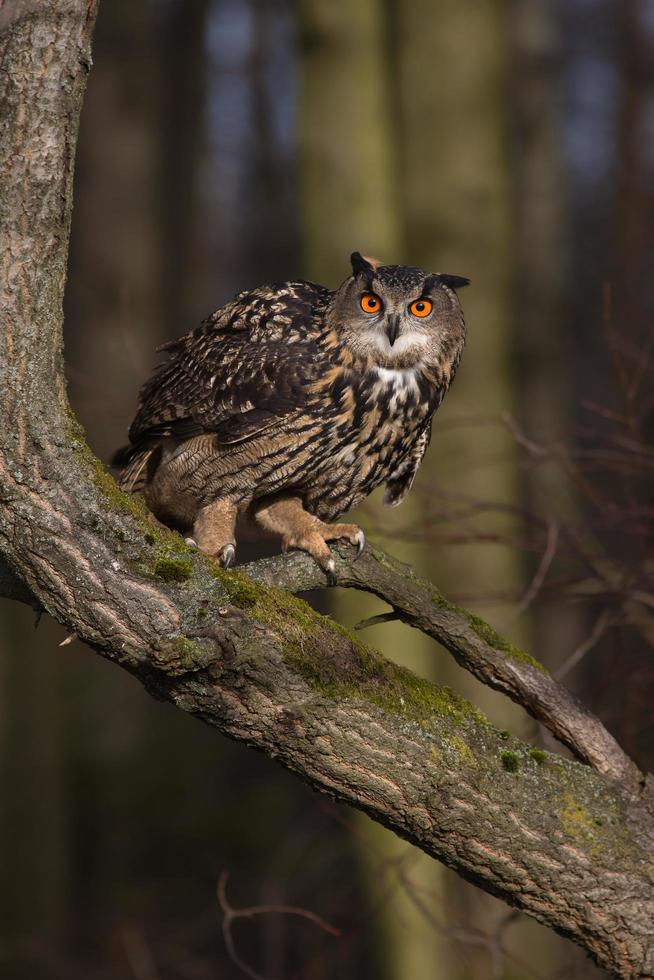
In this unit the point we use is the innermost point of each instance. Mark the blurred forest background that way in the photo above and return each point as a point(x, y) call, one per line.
point(225, 143)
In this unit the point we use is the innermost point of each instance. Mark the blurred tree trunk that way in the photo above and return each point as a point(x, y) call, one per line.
point(183, 87)
point(543, 376)
point(627, 336)
point(632, 241)
point(346, 145)
point(350, 200)
point(455, 178)
point(542, 363)
point(35, 832)
point(270, 231)
point(115, 303)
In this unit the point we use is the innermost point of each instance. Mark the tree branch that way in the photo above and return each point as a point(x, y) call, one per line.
point(473, 643)
point(558, 839)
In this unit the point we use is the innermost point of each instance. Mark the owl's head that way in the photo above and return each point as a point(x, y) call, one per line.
point(398, 316)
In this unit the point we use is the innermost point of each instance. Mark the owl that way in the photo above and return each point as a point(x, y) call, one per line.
point(291, 403)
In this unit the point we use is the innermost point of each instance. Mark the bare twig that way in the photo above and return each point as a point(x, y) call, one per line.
point(230, 914)
point(538, 579)
point(603, 622)
point(388, 617)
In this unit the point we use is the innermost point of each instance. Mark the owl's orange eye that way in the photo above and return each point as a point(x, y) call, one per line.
point(370, 303)
point(421, 307)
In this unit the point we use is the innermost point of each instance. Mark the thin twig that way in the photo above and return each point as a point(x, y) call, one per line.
point(388, 617)
point(538, 579)
point(604, 621)
point(230, 914)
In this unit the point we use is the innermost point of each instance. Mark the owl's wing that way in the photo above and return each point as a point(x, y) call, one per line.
point(402, 479)
point(245, 367)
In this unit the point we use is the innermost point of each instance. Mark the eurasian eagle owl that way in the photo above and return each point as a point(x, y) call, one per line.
point(291, 403)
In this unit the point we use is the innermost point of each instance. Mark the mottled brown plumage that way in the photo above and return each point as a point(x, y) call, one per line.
point(292, 402)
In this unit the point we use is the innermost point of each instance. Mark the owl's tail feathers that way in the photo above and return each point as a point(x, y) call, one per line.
point(137, 465)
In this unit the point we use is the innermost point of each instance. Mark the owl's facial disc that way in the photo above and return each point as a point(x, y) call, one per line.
point(395, 317)
point(386, 329)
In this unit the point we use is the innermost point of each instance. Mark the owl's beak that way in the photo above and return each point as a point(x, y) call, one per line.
point(392, 327)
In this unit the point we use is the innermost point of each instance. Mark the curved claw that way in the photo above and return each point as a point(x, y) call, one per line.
point(227, 555)
point(360, 542)
point(330, 571)
point(191, 541)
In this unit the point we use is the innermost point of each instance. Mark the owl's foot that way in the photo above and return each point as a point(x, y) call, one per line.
point(331, 532)
point(225, 556)
point(297, 528)
point(213, 531)
point(351, 532)
point(314, 541)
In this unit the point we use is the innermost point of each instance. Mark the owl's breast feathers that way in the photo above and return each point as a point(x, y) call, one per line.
point(287, 406)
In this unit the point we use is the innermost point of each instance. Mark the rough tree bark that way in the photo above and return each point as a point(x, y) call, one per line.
point(567, 842)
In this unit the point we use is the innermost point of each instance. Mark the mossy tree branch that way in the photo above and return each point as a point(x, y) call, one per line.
point(475, 645)
point(568, 843)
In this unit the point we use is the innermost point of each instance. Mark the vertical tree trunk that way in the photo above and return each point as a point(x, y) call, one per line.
point(538, 309)
point(114, 302)
point(48, 41)
point(346, 143)
point(455, 179)
point(538, 319)
point(184, 245)
point(348, 149)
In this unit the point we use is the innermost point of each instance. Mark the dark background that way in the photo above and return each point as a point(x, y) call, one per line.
point(225, 143)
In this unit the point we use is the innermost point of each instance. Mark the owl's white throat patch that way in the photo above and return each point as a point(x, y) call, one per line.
point(399, 378)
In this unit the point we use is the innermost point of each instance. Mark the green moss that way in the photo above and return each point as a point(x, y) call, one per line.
point(240, 589)
point(179, 655)
point(132, 504)
point(341, 667)
point(171, 559)
point(510, 761)
point(463, 751)
point(497, 642)
point(172, 569)
point(577, 822)
point(483, 630)
point(438, 598)
point(538, 756)
point(504, 734)
point(187, 650)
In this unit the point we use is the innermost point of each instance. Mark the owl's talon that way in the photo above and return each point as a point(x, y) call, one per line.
point(330, 571)
point(191, 542)
point(360, 539)
point(227, 555)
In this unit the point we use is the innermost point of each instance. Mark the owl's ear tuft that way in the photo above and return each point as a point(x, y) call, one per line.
point(454, 282)
point(361, 266)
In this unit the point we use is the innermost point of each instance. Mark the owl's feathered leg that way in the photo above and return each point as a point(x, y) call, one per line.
point(213, 531)
point(287, 518)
